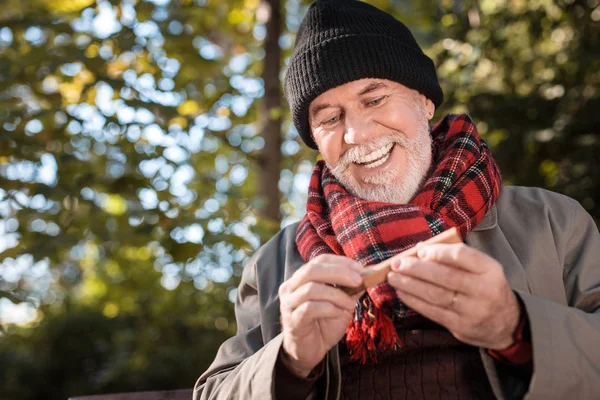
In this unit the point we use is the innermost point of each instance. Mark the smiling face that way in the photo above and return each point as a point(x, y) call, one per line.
point(374, 136)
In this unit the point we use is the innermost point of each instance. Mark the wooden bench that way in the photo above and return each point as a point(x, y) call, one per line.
point(185, 394)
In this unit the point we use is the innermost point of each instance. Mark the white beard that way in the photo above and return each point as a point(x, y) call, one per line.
point(383, 187)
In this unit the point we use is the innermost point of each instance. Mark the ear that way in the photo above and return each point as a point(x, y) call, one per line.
point(429, 108)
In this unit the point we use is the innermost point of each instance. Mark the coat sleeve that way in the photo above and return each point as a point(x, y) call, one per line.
point(244, 365)
point(565, 338)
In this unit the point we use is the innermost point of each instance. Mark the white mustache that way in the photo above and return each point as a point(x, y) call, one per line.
point(358, 152)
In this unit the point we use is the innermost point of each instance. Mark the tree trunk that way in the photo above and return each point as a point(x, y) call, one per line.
point(270, 115)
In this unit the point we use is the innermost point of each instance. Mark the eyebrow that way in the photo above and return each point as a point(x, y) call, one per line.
point(319, 108)
point(371, 87)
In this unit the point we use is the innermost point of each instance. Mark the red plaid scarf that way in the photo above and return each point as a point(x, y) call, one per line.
point(462, 186)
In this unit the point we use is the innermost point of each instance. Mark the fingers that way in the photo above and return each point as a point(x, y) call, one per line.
point(442, 316)
point(310, 289)
point(425, 291)
point(330, 269)
point(458, 255)
point(310, 311)
point(313, 291)
point(438, 274)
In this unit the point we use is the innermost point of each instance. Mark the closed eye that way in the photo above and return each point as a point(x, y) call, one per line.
point(376, 101)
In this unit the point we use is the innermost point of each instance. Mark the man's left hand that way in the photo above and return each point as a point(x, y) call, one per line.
point(462, 289)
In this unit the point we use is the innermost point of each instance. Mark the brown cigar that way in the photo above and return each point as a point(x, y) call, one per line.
point(378, 274)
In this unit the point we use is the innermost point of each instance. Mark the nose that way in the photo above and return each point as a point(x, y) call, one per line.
point(358, 129)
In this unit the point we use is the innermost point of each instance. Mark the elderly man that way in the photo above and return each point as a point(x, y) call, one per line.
point(512, 313)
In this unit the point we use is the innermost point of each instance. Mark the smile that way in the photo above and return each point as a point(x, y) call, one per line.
point(375, 158)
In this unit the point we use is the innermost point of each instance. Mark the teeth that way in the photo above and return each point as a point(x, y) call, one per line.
point(378, 162)
point(376, 155)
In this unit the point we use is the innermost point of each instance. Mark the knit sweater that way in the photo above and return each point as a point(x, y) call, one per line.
point(430, 364)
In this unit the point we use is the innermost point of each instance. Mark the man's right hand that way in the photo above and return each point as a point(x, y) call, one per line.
point(314, 314)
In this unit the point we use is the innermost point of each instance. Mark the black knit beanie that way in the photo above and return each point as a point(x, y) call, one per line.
point(340, 41)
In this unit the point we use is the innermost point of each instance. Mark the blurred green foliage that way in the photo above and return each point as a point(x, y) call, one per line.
point(529, 73)
point(129, 172)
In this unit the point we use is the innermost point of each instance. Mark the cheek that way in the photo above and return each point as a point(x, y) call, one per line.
point(330, 146)
point(400, 119)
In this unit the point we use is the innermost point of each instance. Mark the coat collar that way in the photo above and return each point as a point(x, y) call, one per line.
point(489, 221)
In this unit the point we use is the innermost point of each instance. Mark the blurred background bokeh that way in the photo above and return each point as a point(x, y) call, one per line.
point(146, 152)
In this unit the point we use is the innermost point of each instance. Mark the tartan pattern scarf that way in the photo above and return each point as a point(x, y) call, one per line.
point(463, 183)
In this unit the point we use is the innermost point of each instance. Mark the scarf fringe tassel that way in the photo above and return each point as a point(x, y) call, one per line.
point(370, 332)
